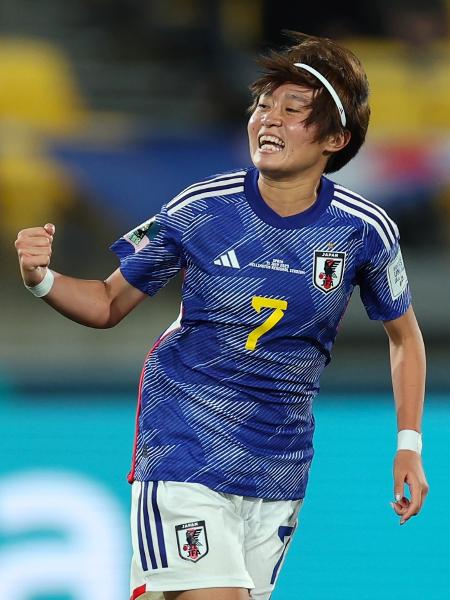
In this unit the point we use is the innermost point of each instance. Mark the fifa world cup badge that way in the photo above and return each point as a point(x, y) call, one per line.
point(143, 234)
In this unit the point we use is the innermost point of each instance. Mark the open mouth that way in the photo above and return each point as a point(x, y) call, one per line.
point(270, 143)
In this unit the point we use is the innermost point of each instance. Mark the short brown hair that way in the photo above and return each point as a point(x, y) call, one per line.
point(345, 73)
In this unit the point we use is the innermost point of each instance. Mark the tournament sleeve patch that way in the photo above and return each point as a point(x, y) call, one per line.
point(396, 275)
point(141, 235)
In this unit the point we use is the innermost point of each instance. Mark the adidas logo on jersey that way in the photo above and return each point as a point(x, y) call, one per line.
point(229, 259)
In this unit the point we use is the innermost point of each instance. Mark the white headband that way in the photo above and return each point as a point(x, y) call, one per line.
point(329, 87)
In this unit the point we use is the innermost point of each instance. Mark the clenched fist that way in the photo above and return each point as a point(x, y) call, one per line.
point(34, 247)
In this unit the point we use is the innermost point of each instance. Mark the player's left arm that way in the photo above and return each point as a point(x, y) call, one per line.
point(407, 357)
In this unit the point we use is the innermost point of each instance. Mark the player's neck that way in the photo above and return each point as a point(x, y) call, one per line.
point(288, 197)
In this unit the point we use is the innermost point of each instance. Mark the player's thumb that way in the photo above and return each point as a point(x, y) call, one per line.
point(50, 228)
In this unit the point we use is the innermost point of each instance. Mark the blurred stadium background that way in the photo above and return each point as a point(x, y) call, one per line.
point(107, 109)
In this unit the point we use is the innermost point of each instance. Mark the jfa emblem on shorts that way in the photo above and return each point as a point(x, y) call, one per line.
point(192, 540)
point(328, 270)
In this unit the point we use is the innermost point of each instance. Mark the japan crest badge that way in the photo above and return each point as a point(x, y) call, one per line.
point(192, 540)
point(328, 270)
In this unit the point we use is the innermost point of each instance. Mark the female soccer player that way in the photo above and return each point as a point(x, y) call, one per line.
point(270, 255)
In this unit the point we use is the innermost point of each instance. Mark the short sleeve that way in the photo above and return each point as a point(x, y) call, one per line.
point(150, 254)
point(382, 278)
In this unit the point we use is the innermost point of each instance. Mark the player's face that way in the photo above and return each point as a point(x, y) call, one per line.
point(280, 145)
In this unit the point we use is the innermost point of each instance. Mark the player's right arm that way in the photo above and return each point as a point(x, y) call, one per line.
point(95, 303)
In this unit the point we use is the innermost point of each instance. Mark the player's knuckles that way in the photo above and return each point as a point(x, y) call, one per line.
point(30, 242)
point(29, 231)
point(42, 242)
point(41, 251)
point(20, 243)
point(33, 253)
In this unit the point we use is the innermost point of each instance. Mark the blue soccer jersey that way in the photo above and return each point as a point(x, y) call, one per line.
point(226, 392)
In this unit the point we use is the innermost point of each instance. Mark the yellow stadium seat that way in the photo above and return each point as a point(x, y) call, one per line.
point(37, 86)
point(39, 98)
point(410, 91)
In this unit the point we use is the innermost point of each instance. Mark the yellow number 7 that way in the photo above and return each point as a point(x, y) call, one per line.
point(259, 302)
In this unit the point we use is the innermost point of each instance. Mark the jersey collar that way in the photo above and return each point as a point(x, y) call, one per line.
point(266, 214)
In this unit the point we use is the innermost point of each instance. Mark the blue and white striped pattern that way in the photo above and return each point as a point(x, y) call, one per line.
point(212, 411)
point(221, 185)
point(151, 542)
point(358, 206)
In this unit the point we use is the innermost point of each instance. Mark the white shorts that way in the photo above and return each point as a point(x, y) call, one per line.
point(186, 536)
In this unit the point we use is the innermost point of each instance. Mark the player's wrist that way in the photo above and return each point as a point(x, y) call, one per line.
point(42, 288)
point(409, 439)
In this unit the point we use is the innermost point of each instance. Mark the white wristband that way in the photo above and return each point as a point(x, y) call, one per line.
point(409, 439)
point(43, 288)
